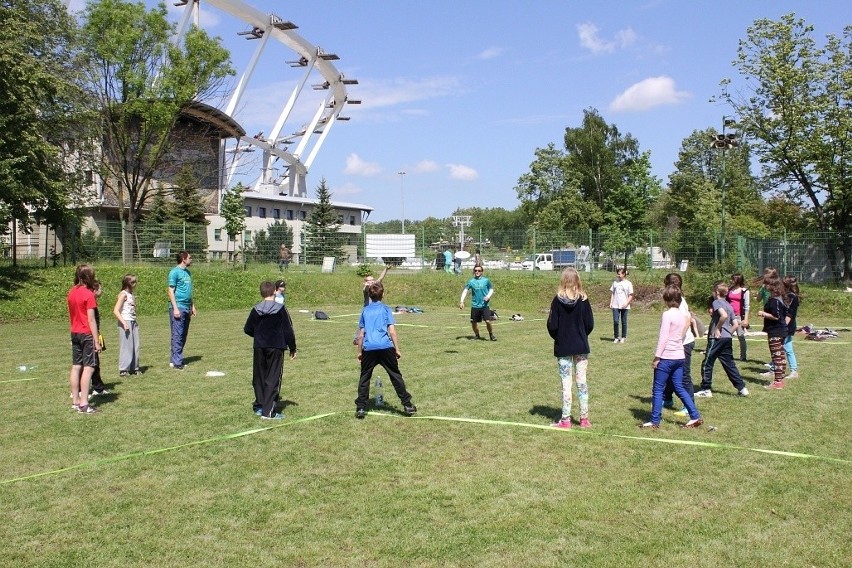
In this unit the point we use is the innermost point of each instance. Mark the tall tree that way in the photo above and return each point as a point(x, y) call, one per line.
point(322, 229)
point(39, 98)
point(234, 213)
point(140, 82)
point(187, 205)
point(798, 111)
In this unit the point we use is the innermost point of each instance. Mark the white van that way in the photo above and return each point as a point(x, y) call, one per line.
point(540, 261)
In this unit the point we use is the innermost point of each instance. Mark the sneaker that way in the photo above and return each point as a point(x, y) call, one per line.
point(694, 423)
point(122, 373)
point(474, 338)
point(178, 367)
point(616, 340)
point(774, 385)
point(275, 416)
point(769, 365)
point(706, 393)
point(622, 340)
point(99, 393)
point(682, 412)
point(409, 409)
point(360, 413)
point(743, 392)
point(650, 425)
point(668, 404)
point(137, 372)
point(584, 423)
point(75, 407)
point(563, 424)
point(258, 411)
point(86, 409)
point(493, 337)
point(793, 375)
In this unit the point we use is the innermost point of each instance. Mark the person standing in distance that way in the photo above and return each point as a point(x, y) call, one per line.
point(182, 308)
point(622, 297)
point(482, 291)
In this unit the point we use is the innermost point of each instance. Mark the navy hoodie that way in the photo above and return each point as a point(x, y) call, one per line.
point(269, 323)
point(569, 324)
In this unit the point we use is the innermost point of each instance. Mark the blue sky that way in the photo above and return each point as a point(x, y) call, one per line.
point(460, 94)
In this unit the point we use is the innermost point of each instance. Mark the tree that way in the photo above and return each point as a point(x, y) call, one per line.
point(234, 213)
point(267, 242)
point(688, 212)
point(140, 81)
point(187, 205)
point(39, 99)
point(321, 236)
point(798, 113)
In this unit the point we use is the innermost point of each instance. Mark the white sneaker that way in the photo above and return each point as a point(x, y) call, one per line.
point(623, 339)
point(704, 394)
point(743, 392)
point(793, 375)
point(616, 340)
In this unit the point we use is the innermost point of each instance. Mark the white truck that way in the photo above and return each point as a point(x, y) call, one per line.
point(553, 260)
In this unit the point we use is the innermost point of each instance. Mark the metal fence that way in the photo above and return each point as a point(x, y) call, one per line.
point(806, 255)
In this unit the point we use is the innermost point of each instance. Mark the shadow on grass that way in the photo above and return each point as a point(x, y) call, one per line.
point(551, 413)
point(13, 279)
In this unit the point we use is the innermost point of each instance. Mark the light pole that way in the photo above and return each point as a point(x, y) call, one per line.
point(402, 197)
point(724, 142)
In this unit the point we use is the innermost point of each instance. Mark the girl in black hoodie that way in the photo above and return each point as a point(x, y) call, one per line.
point(569, 324)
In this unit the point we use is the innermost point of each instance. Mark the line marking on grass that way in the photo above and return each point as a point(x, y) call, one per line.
point(21, 380)
point(124, 457)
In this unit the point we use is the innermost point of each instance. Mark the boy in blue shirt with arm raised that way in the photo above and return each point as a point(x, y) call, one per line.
point(482, 291)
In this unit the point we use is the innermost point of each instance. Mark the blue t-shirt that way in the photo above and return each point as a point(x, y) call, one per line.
point(375, 319)
point(181, 280)
point(479, 287)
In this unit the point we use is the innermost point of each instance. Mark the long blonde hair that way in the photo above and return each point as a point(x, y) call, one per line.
point(570, 286)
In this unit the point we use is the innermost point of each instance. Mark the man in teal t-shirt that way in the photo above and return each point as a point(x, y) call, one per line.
point(482, 290)
point(181, 306)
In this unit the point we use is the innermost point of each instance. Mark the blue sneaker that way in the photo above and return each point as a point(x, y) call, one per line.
point(276, 416)
point(258, 411)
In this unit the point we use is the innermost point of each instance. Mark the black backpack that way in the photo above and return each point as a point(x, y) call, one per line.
point(320, 315)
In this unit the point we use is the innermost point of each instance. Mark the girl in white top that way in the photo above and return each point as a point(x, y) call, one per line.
point(128, 329)
point(622, 297)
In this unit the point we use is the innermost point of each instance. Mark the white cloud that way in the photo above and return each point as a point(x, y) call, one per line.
point(491, 53)
point(648, 93)
point(425, 166)
point(356, 166)
point(591, 40)
point(376, 94)
point(346, 189)
point(464, 173)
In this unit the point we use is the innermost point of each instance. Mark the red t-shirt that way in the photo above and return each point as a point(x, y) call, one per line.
point(80, 301)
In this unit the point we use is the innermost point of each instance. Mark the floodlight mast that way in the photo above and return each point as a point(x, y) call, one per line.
point(461, 221)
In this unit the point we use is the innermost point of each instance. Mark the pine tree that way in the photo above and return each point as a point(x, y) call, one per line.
point(321, 236)
point(187, 205)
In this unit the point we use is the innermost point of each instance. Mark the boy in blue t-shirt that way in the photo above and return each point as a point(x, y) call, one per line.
point(720, 336)
point(482, 290)
point(378, 345)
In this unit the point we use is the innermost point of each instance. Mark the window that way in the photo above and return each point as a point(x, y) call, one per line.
point(261, 212)
point(248, 210)
point(352, 219)
point(217, 234)
point(303, 215)
point(233, 238)
point(276, 213)
point(289, 214)
point(247, 236)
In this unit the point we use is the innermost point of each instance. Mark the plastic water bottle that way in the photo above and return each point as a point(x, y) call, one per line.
point(380, 397)
point(25, 368)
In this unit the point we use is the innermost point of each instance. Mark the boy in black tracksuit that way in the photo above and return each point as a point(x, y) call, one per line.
point(270, 326)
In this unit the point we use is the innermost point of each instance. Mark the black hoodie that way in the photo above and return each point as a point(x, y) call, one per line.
point(569, 324)
point(270, 325)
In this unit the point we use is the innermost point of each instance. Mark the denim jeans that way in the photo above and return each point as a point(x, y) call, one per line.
point(180, 330)
point(619, 314)
point(670, 371)
point(687, 376)
point(792, 364)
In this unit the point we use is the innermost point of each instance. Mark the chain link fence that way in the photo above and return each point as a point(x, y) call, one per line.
point(812, 257)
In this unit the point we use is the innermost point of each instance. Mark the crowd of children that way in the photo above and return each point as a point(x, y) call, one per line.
point(569, 323)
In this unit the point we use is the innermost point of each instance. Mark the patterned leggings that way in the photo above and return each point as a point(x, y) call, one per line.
point(578, 363)
point(779, 357)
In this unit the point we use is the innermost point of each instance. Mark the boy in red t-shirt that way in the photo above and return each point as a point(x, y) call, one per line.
point(84, 330)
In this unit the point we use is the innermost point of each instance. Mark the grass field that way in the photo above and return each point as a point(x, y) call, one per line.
point(176, 470)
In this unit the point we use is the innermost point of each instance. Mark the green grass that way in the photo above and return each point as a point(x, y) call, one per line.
point(391, 490)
